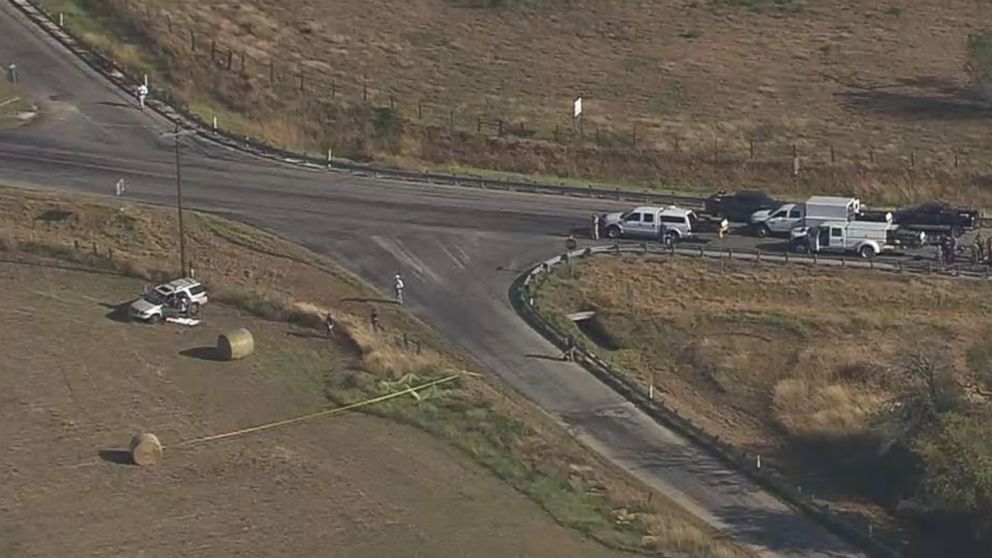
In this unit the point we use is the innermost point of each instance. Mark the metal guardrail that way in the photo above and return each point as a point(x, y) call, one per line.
point(175, 111)
point(522, 299)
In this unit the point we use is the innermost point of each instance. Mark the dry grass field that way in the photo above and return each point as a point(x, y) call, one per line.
point(77, 383)
point(467, 470)
point(794, 364)
point(865, 91)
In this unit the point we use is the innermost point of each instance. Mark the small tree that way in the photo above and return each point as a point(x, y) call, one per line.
point(928, 389)
point(957, 460)
point(979, 63)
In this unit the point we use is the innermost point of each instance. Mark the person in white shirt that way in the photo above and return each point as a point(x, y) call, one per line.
point(398, 286)
point(142, 93)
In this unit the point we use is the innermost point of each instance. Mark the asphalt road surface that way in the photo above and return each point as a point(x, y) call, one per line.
point(459, 250)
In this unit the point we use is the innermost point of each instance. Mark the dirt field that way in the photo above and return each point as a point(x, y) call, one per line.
point(77, 383)
point(794, 364)
point(850, 84)
point(337, 480)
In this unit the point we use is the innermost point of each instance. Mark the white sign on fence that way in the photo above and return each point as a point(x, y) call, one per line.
point(577, 107)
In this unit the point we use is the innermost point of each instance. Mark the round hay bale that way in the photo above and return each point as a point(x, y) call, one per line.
point(146, 449)
point(235, 344)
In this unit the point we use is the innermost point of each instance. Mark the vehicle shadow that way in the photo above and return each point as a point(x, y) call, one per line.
point(202, 353)
point(118, 312)
point(116, 456)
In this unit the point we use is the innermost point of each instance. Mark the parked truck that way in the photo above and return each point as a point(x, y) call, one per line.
point(865, 238)
point(817, 209)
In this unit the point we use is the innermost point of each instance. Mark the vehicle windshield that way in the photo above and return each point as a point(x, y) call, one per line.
point(692, 219)
point(154, 297)
point(623, 216)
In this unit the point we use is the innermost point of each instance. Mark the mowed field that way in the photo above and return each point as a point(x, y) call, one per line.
point(854, 85)
point(799, 365)
point(77, 382)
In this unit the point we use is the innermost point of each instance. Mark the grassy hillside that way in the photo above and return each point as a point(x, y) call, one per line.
point(676, 91)
point(832, 376)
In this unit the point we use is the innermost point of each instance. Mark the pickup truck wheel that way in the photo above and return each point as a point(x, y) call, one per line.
point(155, 318)
point(194, 309)
point(866, 252)
point(763, 231)
point(613, 232)
point(670, 239)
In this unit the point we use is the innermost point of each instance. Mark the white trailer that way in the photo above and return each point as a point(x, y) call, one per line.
point(830, 208)
point(815, 210)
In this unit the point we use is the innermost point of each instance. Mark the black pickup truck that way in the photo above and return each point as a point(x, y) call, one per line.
point(738, 206)
point(937, 217)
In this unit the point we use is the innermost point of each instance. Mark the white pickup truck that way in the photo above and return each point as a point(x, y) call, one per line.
point(864, 238)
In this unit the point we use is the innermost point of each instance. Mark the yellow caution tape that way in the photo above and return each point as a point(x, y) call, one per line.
point(412, 390)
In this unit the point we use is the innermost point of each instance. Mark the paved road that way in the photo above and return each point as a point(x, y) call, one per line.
point(458, 248)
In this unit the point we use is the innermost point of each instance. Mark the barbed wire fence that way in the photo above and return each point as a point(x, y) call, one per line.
point(290, 76)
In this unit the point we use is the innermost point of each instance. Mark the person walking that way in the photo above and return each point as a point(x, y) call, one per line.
point(595, 226)
point(398, 286)
point(12, 73)
point(329, 325)
point(374, 318)
point(980, 246)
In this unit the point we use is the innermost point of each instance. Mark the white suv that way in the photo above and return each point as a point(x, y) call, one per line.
point(164, 300)
point(668, 224)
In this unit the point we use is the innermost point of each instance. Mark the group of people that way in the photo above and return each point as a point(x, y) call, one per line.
point(948, 249)
point(398, 287)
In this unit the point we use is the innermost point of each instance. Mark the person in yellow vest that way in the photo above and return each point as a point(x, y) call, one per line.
point(724, 227)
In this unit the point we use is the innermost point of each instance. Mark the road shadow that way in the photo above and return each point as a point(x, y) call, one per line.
point(923, 97)
point(783, 530)
point(556, 358)
point(116, 456)
point(117, 104)
point(118, 312)
point(202, 353)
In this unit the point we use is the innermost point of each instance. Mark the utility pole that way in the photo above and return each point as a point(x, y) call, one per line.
point(179, 207)
point(183, 269)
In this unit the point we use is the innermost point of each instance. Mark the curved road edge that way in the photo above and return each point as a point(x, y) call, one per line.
point(173, 110)
point(520, 294)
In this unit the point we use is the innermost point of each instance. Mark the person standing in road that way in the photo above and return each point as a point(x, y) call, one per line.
point(569, 353)
point(595, 226)
point(12, 73)
point(142, 94)
point(398, 287)
point(329, 325)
